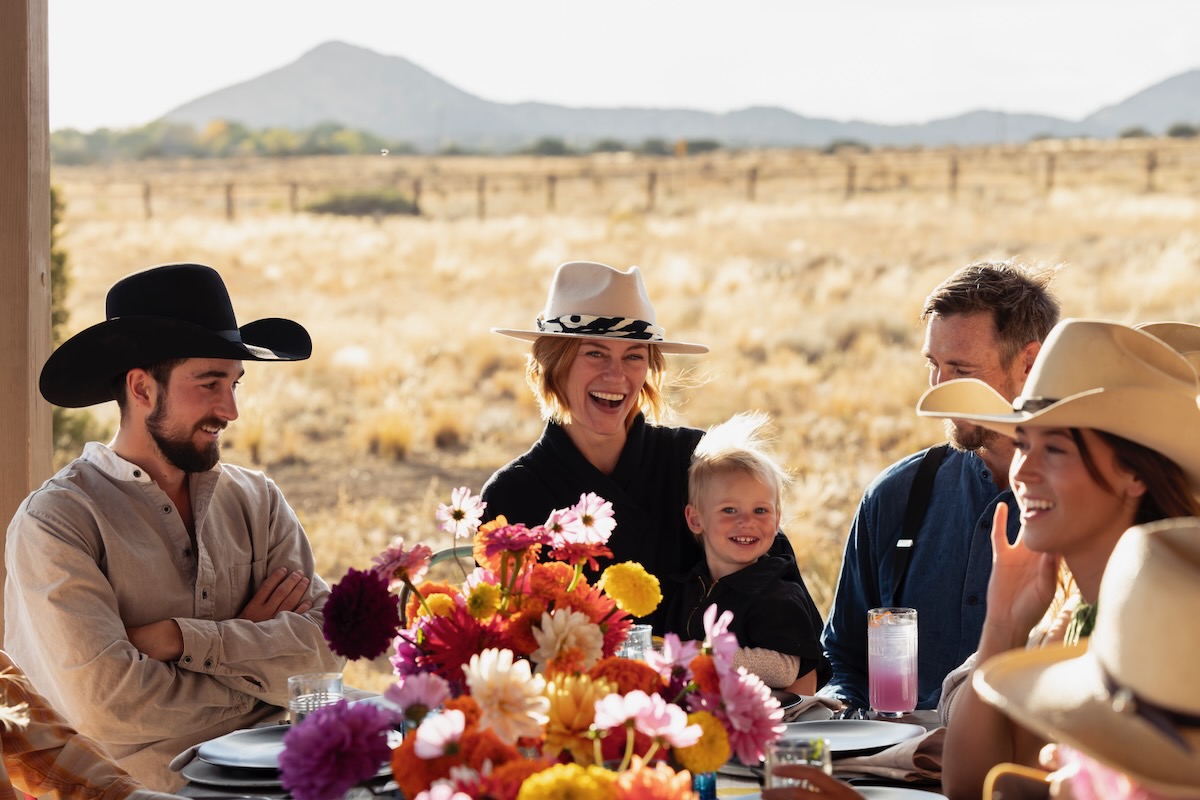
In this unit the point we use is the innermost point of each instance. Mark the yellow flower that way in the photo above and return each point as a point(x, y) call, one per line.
point(440, 605)
point(569, 782)
point(483, 601)
point(572, 711)
point(634, 590)
point(711, 751)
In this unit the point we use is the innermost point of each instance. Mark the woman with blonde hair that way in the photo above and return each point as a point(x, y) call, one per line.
point(1107, 435)
point(598, 371)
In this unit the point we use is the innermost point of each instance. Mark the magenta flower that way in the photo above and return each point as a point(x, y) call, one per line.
point(463, 515)
point(361, 615)
point(333, 749)
point(439, 734)
point(406, 658)
point(512, 539)
point(418, 694)
point(398, 565)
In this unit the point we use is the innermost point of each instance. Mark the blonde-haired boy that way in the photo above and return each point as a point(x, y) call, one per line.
point(735, 489)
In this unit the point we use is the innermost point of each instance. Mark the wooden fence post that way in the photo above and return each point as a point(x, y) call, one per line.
point(146, 206)
point(651, 181)
point(751, 180)
point(481, 197)
point(416, 196)
point(229, 201)
point(849, 179)
point(294, 196)
point(953, 177)
point(551, 181)
point(1049, 185)
point(1151, 166)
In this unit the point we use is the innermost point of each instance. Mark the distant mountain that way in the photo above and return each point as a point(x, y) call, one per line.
point(394, 98)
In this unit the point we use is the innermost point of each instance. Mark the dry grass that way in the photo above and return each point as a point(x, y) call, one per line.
point(809, 301)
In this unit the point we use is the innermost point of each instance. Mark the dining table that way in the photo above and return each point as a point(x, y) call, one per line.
point(853, 741)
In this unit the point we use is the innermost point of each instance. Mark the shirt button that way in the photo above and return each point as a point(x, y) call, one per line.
point(187, 659)
point(204, 594)
point(137, 473)
point(166, 509)
point(187, 553)
point(973, 600)
point(208, 664)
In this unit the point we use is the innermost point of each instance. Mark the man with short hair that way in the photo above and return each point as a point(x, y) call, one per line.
point(157, 597)
point(921, 535)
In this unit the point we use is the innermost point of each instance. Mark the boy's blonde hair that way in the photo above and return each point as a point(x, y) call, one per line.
point(737, 445)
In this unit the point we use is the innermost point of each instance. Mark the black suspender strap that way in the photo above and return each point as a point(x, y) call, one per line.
point(914, 513)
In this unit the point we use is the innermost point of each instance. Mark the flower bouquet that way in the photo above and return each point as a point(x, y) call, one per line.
point(509, 686)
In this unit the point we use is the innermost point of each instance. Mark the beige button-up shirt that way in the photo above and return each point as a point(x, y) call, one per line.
point(98, 548)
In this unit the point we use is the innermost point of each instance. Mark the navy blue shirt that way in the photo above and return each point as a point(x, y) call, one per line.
point(947, 579)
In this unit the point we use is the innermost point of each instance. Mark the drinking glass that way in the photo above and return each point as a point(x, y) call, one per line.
point(892, 660)
point(312, 690)
point(784, 752)
point(637, 643)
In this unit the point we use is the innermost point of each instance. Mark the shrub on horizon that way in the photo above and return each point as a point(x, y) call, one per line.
point(366, 203)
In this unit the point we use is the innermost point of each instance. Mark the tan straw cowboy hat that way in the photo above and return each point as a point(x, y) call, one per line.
point(1092, 374)
point(1129, 697)
point(595, 301)
point(1183, 336)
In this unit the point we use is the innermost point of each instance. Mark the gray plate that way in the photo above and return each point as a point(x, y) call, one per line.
point(252, 748)
point(854, 736)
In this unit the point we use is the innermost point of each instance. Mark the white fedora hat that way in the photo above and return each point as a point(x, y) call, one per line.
point(595, 301)
point(1129, 697)
point(1092, 374)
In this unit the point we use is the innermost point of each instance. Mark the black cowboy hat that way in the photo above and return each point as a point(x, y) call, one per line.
point(166, 312)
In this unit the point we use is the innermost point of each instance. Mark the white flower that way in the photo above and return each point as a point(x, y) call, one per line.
point(564, 628)
point(463, 514)
point(509, 695)
point(438, 732)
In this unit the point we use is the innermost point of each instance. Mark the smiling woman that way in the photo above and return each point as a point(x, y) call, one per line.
point(597, 369)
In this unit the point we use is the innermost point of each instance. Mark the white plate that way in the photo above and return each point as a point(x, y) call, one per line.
point(874, 793)
point(252, 748)
point(198, 771)
point(854, 735)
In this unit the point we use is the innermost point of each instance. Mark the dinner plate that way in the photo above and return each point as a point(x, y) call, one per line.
point(874, 793)
point(854, 736)
point(198, 771)
point(786, 699)
point(254, 748)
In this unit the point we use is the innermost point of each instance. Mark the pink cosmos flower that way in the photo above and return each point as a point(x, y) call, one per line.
point(617, 710)
point(595, 515)
point(439, 734)
point(443, 790)
point(397, 564)
point(718, 639)
point(667, 723)
point(416, 695)
point(463, 515)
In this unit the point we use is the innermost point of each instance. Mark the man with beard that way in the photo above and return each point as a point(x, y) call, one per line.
point(157, 597)
point(921, 537)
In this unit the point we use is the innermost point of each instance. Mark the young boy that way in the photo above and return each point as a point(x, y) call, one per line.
point(734, 492)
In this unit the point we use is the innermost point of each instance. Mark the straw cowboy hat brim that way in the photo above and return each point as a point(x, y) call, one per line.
point(168, 312)
point(1183, 336)
point(589, 300)
point(1092, 374)
point(1128, 697)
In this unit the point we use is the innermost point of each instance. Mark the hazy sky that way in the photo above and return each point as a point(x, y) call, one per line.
point(122, 63)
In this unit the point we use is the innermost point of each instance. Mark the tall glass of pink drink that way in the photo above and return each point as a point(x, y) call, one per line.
point(892, 660)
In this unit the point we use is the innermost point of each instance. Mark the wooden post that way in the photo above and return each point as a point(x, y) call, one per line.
point(416, 196)
point(25, 436)
point(1049, 184)
point(146, 205)
point(1151, 166)
point(294, 196)
point(849, 179)
point(551, 181)
point(651, 181)
point(481, 197)
point(751, 180)
point(229, 202)
point(953, 177)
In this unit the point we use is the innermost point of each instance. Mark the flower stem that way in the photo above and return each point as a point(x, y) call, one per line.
point(576, 577)
point(628, 748)
point(420, 597)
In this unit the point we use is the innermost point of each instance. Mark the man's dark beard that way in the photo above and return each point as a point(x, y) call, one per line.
point(971, 438)
point(182, 453)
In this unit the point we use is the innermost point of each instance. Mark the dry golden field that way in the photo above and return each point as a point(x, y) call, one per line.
point(809, 299)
